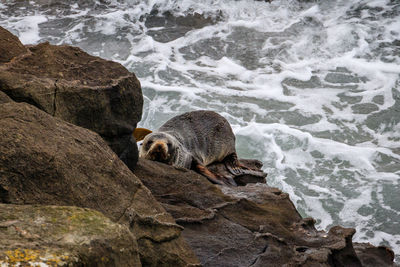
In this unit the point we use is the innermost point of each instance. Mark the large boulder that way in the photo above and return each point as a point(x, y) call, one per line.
point(252, 225)
point(70, 84)
point(10, 46)
point(44, 160)
point(32, 235)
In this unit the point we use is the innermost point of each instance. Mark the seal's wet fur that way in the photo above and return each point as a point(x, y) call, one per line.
point(194, 140)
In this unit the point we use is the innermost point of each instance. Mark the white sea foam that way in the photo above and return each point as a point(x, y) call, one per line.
point(28, 28)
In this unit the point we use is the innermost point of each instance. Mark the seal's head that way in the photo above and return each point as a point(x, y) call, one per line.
point(159, 146)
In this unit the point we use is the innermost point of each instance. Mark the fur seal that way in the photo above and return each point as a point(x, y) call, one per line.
point(194, 140)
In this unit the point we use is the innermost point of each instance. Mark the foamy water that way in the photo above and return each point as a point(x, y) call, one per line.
point(311, 89)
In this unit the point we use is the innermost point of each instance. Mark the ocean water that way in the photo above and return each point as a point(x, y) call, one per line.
point(311, 88)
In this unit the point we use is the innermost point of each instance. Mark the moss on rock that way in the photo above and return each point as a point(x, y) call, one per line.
point(61, 235)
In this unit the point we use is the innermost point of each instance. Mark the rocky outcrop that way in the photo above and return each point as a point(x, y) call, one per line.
point(252, 225)
point(70, 84)
point(10, 46)
point(44, 160)
point(54, 236)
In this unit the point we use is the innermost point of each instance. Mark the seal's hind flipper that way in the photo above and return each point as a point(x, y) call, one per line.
point(140, 133)
point(236, 168)
point(214, 178)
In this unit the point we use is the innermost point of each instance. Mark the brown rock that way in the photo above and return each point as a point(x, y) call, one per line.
point(371, 256)
point(58, 235)
point(44, 160)
point(10, 46)
point(252, 225)
point(4, 98)
point(87, 91)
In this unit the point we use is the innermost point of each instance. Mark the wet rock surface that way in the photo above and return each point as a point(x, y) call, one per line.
point(165, 27)
point(44, 160)
point(252, 225)
point(33, 235)
point(79, 88)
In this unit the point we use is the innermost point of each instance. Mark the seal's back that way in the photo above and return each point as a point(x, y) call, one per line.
point(206, 134)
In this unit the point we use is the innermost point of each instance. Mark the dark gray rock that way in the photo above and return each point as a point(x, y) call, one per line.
point(252, 225)
point(173, 27)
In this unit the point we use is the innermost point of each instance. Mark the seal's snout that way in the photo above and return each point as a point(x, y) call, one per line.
point(158, 152)
point(158, 147)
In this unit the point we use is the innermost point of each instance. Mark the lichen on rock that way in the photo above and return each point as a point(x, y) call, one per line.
point(58, 235)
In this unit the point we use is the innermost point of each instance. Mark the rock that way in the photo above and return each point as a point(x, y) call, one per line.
point(173, 27)
point(44, 160)
point(252, 225)
point(32, 235)
point(87, 91)
point(374, 256)
point(10, 46)
point(4, 98)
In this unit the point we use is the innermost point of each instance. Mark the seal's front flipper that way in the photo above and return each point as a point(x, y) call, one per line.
point(214, 178)
point(236, 168)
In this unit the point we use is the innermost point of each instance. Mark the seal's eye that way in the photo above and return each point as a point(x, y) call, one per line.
point(169, 145)
point(148, 144)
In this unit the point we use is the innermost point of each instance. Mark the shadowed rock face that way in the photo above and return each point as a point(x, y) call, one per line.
point(79, 88)
point(252, 225)
point(55, 235)
point(44, 160)
point(374, 256)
